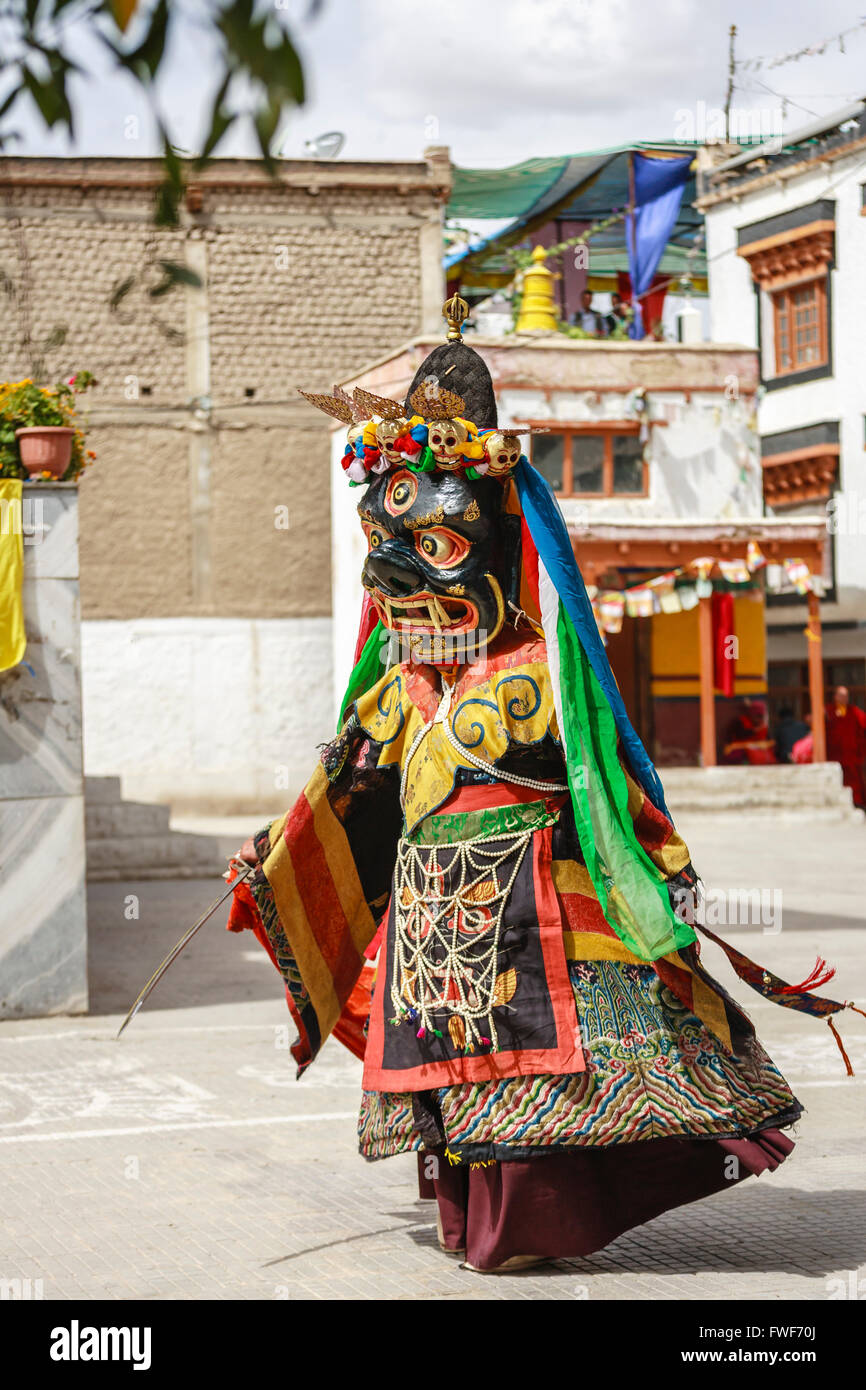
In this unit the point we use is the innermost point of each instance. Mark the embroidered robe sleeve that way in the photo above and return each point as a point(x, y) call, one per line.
point(322, 885)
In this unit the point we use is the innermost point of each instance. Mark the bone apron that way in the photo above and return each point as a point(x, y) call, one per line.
point(480, 891)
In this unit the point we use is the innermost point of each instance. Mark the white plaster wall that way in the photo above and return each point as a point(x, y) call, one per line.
point(221, 714)
point(840, 644)
point(697, 452)
point(732, 298)
point(839, 397)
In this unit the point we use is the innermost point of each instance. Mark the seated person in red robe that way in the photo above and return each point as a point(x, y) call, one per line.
point(748, 737)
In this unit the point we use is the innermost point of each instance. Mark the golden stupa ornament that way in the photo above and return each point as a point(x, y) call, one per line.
point(537, 309)
point(455, 311)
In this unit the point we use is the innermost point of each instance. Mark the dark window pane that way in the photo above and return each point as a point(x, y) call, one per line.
point(627, 463)
point(548, 451)
point(850, 673)
point(785, 675)
point(587, 463)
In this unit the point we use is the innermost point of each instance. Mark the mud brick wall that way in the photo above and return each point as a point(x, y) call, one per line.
point(199, 432)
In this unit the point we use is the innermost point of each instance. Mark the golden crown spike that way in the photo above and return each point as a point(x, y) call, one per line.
point(455, 311)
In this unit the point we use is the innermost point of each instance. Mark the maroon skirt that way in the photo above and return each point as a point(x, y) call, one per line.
point(561, 1205)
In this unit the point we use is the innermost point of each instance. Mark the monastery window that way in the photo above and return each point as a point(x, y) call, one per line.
point(791, 268)
point(800, 323)
point(591, 461)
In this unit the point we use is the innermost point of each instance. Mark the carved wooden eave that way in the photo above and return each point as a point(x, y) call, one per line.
point(802, 475)
point(791, 257)
point(603, 545)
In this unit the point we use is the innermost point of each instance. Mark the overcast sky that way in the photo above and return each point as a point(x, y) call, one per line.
point(496, 80)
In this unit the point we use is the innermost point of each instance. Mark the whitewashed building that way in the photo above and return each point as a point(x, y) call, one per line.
point(786, 251)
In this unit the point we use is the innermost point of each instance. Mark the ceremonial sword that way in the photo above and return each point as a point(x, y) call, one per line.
point(248, 871)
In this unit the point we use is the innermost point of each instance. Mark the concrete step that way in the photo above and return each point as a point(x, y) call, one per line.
point(134, 839)
point(124, 819)
point(813, 789)
point(102, 789)
point(174, 855)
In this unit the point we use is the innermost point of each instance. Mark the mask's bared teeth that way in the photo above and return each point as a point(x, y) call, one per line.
point(432, 606)
point(443, 613)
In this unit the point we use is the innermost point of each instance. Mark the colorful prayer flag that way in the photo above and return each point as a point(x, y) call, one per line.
point(735, 571)
point(755, 557)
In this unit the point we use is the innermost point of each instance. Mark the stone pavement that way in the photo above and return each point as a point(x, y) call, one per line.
point(185, 1162)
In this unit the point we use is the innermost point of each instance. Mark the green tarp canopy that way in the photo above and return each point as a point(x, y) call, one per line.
point(582, 188)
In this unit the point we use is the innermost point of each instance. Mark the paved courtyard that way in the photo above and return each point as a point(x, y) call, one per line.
point(184, 1161)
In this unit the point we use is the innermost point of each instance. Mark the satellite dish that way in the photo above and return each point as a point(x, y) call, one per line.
point(325, 146)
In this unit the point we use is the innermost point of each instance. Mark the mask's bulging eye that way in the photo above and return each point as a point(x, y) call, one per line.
point(402, 491)
point(441, 547)
point(374, 535)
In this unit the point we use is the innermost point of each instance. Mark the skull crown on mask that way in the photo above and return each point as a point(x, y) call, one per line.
point(502, 452)
point(446, 439)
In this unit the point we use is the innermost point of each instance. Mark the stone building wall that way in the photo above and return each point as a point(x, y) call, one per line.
point(210, 497)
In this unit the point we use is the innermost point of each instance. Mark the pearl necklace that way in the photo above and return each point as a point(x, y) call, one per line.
point(441, 717)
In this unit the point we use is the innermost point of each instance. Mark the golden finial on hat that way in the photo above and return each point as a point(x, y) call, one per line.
point(455, 311)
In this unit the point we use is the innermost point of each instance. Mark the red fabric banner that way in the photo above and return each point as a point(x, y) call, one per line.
point(724, 664)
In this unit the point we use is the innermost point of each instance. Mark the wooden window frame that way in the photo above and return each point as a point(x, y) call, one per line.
point(819, 282)
point(606, 429)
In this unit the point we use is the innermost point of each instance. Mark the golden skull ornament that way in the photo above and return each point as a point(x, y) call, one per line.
point(502, 452)
point(446, 439)
point(387, 433)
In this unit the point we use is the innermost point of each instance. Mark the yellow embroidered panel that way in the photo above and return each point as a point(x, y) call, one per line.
point(514, 703)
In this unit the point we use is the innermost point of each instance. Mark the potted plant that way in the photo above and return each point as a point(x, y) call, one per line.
point(40, 436)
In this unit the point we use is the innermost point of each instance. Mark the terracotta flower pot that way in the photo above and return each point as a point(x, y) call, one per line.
point(45, 448)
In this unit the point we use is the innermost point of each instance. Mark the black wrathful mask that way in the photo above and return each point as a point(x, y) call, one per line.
point(441, 562)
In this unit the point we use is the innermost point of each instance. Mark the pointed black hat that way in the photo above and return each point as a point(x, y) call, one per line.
point(455, 367)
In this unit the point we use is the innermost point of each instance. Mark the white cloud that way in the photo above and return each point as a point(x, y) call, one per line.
point(503, 79)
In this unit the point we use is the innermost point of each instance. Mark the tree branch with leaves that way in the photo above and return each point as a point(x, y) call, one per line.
point(258, 77)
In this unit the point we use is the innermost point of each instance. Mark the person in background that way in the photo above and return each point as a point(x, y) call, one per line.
point(589, 319)
point(789, 731)
point(846, 741)
point(748, 736)
point(802, 750)
point(619, 313)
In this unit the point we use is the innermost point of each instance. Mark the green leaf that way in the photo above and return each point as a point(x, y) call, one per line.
point(181, 274)
point(170, 191)
point(220, 120)
point(161, 288)
point(166, 203)
point(121, 290)
point(56, 338)
point(49, 101)
point(266, 122)
point(12, 96)
point(173, 274)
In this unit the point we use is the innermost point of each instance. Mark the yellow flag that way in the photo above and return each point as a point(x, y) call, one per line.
point(13, 639)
